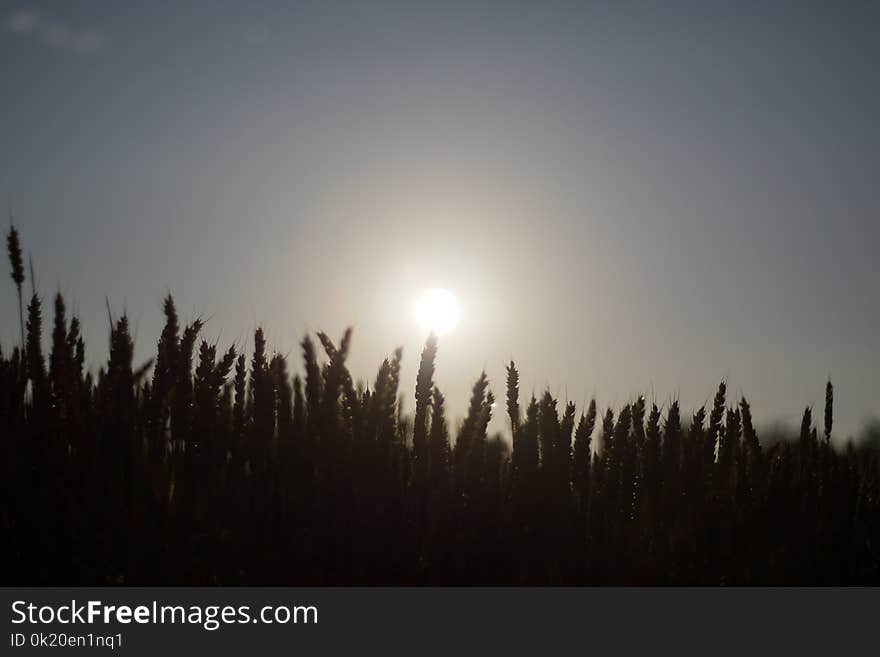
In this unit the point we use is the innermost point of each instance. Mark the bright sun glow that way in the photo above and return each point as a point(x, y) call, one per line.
point(438, 311)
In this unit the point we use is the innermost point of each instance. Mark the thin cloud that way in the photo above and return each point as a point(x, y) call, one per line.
point(22, 21)
point(52, 35)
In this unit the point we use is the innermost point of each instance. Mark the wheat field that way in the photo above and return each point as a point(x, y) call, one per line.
point(204, 466)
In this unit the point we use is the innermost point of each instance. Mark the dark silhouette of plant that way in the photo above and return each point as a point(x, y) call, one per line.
point(242, 472)
point(13, 247)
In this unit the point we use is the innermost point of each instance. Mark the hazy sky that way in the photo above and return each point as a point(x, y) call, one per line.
point(626, 197)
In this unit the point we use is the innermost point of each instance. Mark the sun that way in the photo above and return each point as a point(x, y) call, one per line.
point(437, 311)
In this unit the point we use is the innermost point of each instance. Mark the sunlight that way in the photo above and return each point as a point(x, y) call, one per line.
point(437, 311)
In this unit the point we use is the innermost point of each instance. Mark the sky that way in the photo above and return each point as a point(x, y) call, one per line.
point(626, 198)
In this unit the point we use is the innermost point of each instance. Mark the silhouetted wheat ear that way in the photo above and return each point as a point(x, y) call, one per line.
point(239, 408)
point(313, 382)
point(806, 424)
point(13, 247)
point(513, 397)
point(439, 452)
point(829, 410)
point(749, 434)
point(36, 366)
point(424, 386)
